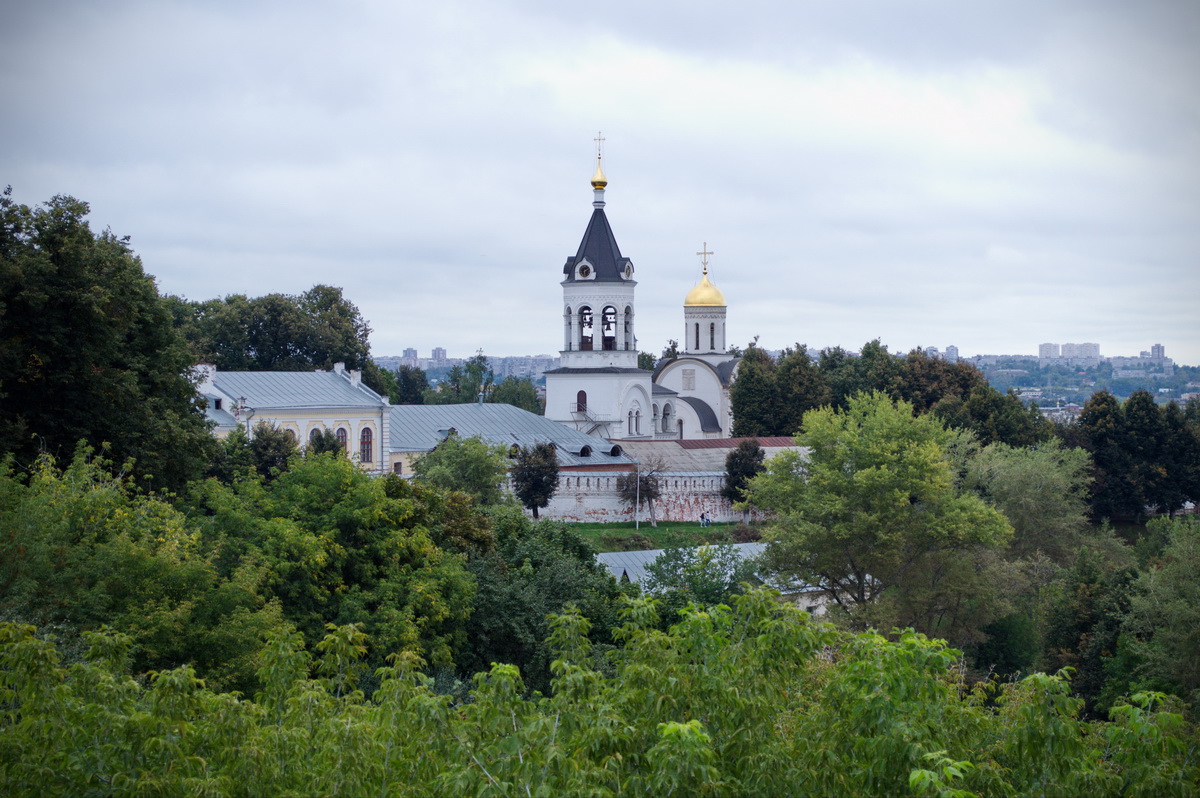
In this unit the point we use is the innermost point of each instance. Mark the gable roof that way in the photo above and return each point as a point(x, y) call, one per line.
point(419, 428)
point(279, 390)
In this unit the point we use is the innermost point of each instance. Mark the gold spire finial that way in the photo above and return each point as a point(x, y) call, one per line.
point(599, 181)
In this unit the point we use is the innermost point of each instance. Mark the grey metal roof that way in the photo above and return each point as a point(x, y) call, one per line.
point(708, 418)
point(662, 390)
point(632, 564)
point(419, 428)
point(222, 418)
point(295, 389)
point(599, 248)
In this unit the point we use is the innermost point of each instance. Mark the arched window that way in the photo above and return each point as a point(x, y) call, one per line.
point(581, 402)
point(585, 329)
point(697, 336)
point(666, 418)
point(608, 328)
point(341, 436)
point(364, 446)
point(290, 434)
point(712, 337)
point(637, 422)
point(629, 326)
point(313, 435)
point(630, 427)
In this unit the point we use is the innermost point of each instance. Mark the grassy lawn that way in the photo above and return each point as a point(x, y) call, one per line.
point(624, 537)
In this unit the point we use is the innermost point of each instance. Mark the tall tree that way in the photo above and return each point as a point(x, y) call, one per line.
point(802, 387)
point(1181, 460)
point(742, 464)
point(872, 505)
point(88, 351)
point(411, 385)
point(755, 396)
point(535, 475)
point(1146, 440)
point(1101, 430)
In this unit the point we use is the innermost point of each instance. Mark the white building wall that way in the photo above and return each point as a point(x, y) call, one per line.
point(592, 496)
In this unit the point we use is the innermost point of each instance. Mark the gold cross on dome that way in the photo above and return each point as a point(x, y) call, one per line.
point(704, 253)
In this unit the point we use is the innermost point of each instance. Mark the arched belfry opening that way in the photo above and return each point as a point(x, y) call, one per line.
point(585, 329)
point(609, 328)
point(628, 327)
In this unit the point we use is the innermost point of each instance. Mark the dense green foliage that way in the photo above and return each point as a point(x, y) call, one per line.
point(1143, 455)
point(873, 507)
point(754, 700)
point(465, 464)
point(87, 349)
point(81, 548)
point(535, 569)
point(771, 398)
point(411, 385)
point(276, 332)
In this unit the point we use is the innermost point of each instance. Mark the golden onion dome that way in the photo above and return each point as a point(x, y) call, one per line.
point(598, 179)
point(705, 294)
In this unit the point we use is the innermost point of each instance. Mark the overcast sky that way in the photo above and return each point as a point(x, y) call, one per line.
point(987, 174)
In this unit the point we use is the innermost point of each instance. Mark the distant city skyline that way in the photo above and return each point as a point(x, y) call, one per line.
point(1155, 350)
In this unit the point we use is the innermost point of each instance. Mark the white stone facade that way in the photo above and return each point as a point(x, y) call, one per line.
point(592, 496)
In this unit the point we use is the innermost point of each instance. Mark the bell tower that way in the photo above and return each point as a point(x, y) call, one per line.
point(599, 388)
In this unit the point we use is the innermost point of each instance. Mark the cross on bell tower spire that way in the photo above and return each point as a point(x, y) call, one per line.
point(704, 253)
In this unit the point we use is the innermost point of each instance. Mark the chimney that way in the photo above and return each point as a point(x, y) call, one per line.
point(355, 377)
point(339, 368)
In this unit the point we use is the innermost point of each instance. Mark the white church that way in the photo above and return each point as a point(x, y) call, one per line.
point(599, 388)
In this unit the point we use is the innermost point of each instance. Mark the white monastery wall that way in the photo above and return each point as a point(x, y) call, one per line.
point(592, 496)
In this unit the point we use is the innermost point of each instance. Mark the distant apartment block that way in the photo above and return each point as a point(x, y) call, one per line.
point(952, 353)
point(931, 352)
point(1087, 354)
